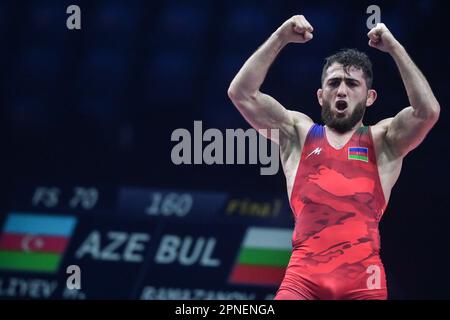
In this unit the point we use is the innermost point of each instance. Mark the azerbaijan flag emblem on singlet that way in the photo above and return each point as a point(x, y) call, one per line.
point(358, 153)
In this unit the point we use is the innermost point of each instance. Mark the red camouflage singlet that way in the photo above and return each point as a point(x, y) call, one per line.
point(337, 201)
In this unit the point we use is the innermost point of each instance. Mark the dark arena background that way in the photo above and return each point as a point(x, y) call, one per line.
point(87, 179)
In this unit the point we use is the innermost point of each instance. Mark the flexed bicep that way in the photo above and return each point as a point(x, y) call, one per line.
point(264, 112)
point(259, 109)
point(407, 130)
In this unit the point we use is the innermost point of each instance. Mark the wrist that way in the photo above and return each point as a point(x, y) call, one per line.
point(280, 38)
point(396, 50)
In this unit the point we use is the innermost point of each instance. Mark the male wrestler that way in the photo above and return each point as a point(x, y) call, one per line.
point(339, 176)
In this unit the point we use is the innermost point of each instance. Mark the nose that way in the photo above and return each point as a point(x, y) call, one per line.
point(342, 90)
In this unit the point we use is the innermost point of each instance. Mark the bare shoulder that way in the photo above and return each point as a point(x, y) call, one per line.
point(379, 132)
point(380, 129)
point(291, 147)
point(382, 125)
point(301, 122)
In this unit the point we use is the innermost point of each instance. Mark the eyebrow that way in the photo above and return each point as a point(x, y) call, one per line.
point(345, 79)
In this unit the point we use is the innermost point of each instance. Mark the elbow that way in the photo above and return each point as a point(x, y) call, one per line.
point(429, 113)
point(232, 94)
point(435, 112)
point(238, 95)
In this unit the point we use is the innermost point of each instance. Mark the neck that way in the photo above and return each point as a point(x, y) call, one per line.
point(351, 131)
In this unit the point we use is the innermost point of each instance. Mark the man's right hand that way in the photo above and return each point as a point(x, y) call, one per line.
point(296, 29)
point(259, 109)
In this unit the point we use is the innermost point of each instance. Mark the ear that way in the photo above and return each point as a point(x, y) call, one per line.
point(371, 97)
point(319, 96)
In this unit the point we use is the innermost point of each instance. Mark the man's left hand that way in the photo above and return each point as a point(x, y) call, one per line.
point(382, 39)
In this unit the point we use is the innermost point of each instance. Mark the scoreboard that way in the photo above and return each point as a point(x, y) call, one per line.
point(143, 243)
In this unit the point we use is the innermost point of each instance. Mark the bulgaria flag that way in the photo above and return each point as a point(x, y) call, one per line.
point(263, 257)
point(31, 242)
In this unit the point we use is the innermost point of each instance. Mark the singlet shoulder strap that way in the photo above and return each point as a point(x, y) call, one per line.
point(362, 135)
point(363, 130)
point(314, 137)
point(315, 132)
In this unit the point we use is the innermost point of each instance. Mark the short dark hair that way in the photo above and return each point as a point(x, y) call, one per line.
point(351, 58)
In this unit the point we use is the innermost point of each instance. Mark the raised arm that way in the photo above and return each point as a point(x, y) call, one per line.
point(411, 125)
point(259, 109)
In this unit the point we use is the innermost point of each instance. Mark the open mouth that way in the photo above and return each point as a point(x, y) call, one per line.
point(341, 105)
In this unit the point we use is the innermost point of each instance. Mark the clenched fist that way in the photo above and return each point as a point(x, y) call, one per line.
point(297, 29)
point(382, 39)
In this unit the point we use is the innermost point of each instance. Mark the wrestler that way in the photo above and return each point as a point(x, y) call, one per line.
point(339, 175)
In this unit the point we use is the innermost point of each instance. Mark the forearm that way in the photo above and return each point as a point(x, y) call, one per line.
point(252, 74)
point(419, 92)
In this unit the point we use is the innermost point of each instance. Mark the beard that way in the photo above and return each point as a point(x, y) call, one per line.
point(345, 123)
